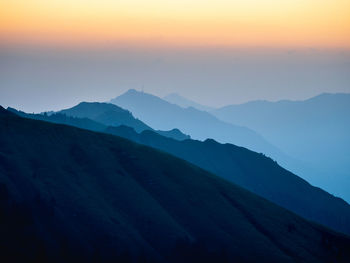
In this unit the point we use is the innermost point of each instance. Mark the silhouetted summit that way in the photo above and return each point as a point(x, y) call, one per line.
point(107, 114)
point(175, 134)
point(71, 195)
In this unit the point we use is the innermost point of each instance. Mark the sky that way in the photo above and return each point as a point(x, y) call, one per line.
point(55, 53)
point(303, 23)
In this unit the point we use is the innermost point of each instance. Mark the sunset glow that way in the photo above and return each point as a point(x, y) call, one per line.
point(286, 23)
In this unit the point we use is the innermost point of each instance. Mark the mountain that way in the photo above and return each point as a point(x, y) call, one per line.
point(103, 114)
point(255, 172)
point(185, 103)
point(200, 125)
point(112, 115)
point(72, 195)
point(251, 171)
point(107, 114)
point(83, 123)
point(316, 131)
point(175, 134)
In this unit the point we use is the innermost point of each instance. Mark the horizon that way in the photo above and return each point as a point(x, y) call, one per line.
point(38, 79)
point(174, 131)
point(177, 94)
point(267, 23)
point(56, 53)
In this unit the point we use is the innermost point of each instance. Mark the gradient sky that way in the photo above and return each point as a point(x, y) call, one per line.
point(305, 23)
point(56, 53)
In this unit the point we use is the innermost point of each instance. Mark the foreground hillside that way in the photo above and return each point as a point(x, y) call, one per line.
point(73, 195)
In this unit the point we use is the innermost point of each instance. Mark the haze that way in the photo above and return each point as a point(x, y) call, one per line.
point(36, 80)
point(287, 23)
point(55, 54)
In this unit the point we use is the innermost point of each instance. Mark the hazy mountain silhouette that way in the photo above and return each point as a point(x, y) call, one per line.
point(185, 103)
point(316, 131)
point(201, 125)
point(175, 134)
point(69, 195)
point(61, 118)
point(97, 116)
point(255, 172)
point(107, 114)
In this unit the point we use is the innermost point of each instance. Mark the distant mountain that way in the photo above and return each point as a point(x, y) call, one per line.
point(316, 131)
point(97, 116)
point(200, 125)
point(83, 123)
point(254, 172)
point(175, 134)
point(185, 103)
point(71, 195)
point(107, 114)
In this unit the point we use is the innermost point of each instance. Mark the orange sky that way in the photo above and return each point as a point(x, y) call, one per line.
point(272, 23)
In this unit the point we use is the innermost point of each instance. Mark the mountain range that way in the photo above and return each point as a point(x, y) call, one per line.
point(200, 125)
point(203, 125)
point(97, 116)
point(69, 195)
point(253, 171)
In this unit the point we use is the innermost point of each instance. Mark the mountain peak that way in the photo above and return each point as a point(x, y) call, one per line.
point(106, 113)
point(132, 91)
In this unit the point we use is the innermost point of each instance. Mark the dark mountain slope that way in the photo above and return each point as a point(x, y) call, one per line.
point(254, 172)
point(68, 194)
point(261, 178)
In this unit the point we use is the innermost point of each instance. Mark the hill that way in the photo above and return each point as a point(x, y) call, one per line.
point(71, 195)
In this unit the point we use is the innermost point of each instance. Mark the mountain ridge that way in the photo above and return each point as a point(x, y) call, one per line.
point(121, 207)
point(201, 125)
point(254, 174)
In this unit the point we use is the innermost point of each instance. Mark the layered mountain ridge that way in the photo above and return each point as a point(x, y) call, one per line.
point(74, 195)
point(250, 170)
